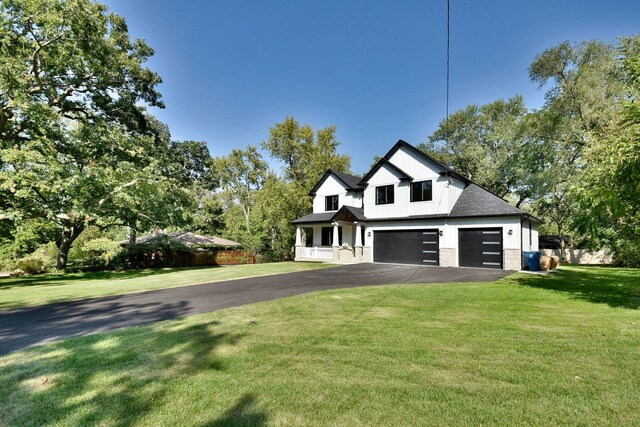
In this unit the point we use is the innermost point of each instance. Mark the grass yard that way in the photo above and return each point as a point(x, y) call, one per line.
point(42, 289)
point(527, 350)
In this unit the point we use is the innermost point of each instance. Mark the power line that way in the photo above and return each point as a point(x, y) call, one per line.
point(448, 50)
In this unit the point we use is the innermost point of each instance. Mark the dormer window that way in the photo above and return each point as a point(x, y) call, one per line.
point(384, 195)
point(331, 203)
point(421, 191)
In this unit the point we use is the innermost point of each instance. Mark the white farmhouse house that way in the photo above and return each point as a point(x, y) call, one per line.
point(411, 209)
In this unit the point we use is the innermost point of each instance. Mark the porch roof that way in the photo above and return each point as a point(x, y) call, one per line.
point(345, 213)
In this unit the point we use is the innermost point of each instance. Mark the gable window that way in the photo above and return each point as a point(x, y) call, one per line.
point(384, 195)
point(327, 236)
point(421, 191)
point(331, 203)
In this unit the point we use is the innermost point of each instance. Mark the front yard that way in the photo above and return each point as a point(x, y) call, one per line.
point(558, 349)
point(43, 289)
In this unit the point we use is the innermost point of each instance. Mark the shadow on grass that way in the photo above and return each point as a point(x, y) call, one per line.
point(114, 379)
point(56, 279)
point(244, 413)
point(616, 287)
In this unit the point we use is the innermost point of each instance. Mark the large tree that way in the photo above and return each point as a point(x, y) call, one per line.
point(482, 143)
point(74, 138)
point(306, 154)
point(609, 190)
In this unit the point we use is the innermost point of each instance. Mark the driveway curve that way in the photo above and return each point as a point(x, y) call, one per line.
point(25, 327)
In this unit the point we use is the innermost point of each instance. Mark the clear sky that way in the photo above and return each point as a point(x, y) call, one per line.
point(375, 69)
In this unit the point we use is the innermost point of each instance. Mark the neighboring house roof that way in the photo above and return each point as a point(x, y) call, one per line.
point(351, 182)
point(476, 201)
point(187, 238)
point(384, 162)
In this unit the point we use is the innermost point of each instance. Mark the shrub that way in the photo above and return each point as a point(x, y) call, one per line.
point(31, 265)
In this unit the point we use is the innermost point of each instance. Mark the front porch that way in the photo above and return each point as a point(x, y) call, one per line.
point(338, 241)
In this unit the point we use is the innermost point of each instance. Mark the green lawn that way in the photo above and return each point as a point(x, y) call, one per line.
point(36, 290)
point(528, 350)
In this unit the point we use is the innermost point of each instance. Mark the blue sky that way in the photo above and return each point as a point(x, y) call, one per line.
point(375, 69)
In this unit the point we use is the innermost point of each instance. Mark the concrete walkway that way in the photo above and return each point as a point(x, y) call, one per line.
point(30, 326)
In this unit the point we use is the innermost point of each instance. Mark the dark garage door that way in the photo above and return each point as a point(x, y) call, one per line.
point(406, 246)
point(480, 247)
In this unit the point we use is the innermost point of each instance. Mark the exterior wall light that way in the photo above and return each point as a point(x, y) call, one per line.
point(441, 232)
point(510, 232)
point(368, 234)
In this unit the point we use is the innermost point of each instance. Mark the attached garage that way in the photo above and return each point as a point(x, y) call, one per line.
point(406, 246)
point(480, 247)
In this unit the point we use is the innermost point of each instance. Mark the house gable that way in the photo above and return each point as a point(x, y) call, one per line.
point(414, 166)
point(332, 184)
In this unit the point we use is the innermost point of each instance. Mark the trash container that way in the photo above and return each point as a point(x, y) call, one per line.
point(533, 260)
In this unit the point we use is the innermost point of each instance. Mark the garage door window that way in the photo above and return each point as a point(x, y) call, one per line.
point(384, 195)
point(421, 191)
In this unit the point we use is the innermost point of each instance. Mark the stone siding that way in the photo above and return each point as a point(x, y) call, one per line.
point(512, 259)
point(448, 257)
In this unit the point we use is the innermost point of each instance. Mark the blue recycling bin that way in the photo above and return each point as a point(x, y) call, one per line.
point(533, 260)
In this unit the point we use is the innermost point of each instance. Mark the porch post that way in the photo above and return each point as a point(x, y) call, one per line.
point(336, 236)
point(298, 236)
point(358, 234)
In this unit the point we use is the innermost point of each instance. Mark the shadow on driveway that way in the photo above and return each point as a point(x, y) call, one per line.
point(25, 327)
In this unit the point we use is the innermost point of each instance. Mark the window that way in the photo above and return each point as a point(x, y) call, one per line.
point(327, 236)
point(384, 195)
point(421, 191)
point(331, 203)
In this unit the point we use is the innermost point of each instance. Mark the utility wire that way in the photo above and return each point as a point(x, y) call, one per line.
point(448, 50)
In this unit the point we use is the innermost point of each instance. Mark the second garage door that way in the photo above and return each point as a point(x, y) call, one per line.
point(480, 247)
point(406, 246)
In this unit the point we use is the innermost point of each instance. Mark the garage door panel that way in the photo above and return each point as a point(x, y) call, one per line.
point(406, 246)
point(480, 247)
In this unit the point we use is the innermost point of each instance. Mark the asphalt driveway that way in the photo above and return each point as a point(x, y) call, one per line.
point(30, 326)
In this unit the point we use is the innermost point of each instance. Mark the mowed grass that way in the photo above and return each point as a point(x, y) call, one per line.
point(42, 289)
point(527, 350)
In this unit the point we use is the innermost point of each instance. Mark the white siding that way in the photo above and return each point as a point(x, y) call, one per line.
point(535, 245)
point(330, 187)
point(529, 245)
point(445, 191)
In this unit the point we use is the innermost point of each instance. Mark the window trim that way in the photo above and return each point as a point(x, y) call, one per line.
point(331, 197)
point(422, 191)
point(387, 202)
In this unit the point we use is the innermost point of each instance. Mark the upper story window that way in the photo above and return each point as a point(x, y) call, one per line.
point(384, 195)
point(421, 191)
point(331, 203)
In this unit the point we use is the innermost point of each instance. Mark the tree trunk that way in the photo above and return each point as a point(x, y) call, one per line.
point(69, 235)
point(560, 232)
point(133, 234)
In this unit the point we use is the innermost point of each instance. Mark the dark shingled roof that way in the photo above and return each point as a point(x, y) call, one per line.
point(384, 162)
point(476, 201)
point(314, 217)
point(350, 181)
point(187, 238)
point(357, 213)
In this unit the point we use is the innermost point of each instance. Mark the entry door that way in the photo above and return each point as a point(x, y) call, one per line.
point(406, 246)
point(480, 247)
